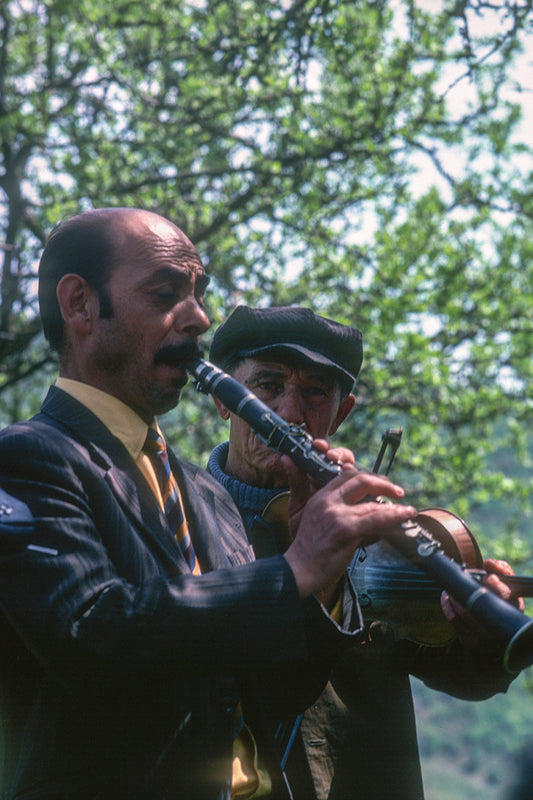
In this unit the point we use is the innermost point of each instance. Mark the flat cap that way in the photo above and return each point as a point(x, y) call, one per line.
point(250, 332)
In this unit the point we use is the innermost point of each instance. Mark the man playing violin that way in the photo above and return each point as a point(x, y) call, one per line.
point(359, 739)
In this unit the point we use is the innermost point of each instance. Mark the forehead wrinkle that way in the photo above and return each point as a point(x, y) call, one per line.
point(286, 371)
point(171, 247)
point(268, 370)
point(305, 372)
point(291, 366)
point(176, 274)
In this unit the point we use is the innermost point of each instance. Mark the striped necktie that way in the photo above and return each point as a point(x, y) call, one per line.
point(155, 447)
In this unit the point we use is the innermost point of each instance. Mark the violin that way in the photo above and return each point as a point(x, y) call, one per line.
point(393, 590)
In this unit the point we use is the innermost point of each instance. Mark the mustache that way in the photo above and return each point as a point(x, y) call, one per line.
point(178, 355)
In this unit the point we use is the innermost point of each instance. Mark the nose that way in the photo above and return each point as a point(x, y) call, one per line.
point(290, 406)
point(191, 319)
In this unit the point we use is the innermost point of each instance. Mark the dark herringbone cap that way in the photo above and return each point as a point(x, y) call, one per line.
point(267, 332)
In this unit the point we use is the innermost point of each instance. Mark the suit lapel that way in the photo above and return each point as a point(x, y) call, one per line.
point(119, 471)
point(201, 516)
point(226, 544)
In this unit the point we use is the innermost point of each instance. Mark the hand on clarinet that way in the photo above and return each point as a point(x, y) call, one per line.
point(330, 523)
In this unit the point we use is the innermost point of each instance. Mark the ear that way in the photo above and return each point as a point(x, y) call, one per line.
point(346, 405)
point(221, 408)
point(78, 302)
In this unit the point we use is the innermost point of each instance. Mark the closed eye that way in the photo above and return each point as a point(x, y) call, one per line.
point(315, 391)
point(166, 295)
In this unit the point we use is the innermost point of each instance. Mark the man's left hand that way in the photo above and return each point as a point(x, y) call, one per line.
point(467, 628)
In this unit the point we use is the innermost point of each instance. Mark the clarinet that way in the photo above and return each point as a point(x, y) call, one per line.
point(511, 629)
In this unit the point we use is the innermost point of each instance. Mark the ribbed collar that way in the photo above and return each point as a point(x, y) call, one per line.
point(250, 500)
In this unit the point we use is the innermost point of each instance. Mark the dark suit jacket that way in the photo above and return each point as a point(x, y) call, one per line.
point(119, 669)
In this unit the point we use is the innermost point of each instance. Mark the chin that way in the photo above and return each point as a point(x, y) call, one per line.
point(272, 465)
point(166, 402)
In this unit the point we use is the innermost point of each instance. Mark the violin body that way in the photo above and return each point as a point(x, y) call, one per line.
point(393, 590)
point(390, 588)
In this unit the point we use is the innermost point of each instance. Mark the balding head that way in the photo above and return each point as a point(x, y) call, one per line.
point(90, 245)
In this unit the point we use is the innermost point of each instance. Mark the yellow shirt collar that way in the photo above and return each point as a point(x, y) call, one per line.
point(121, 420)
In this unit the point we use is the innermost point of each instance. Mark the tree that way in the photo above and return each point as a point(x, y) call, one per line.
point(286, 139)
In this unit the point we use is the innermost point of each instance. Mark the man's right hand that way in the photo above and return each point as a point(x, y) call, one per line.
point(335, 521)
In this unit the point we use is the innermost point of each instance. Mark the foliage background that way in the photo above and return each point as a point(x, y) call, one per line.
point(369, 158)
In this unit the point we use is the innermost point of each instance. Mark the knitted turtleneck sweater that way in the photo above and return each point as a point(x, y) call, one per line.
point(250, 500)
